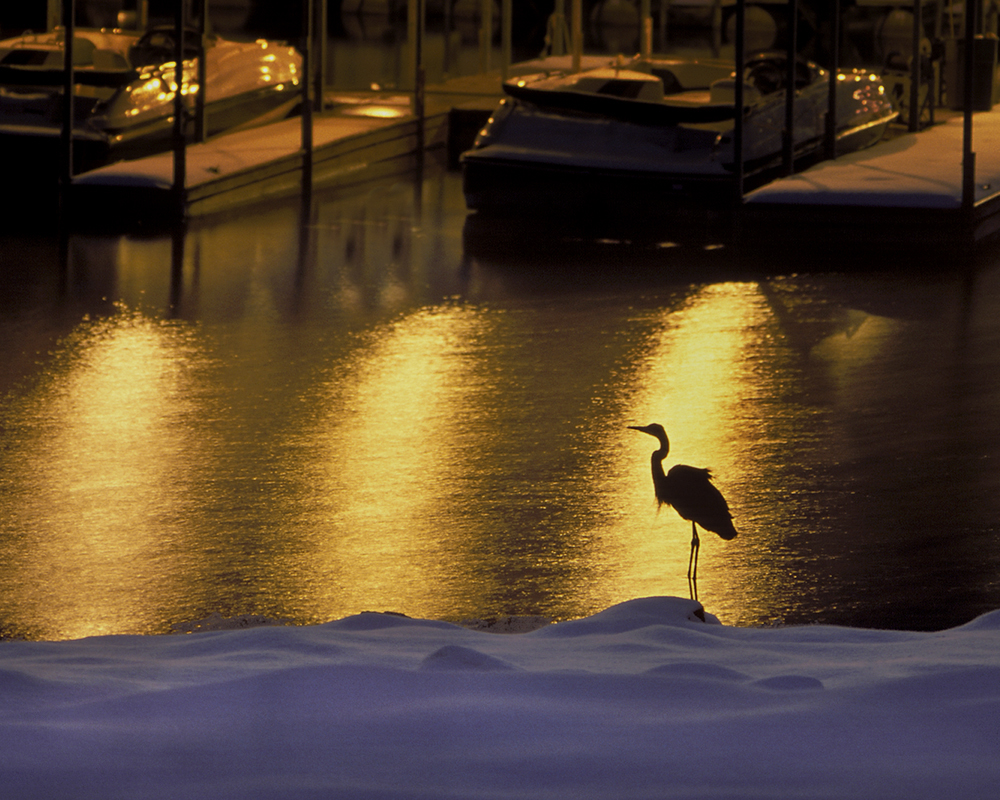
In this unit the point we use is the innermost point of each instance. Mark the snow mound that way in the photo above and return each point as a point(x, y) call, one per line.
point(986, 622)
point(790, 683)
point(453, 656)
point(701, 670)
point(634, 615)
point(642, 700)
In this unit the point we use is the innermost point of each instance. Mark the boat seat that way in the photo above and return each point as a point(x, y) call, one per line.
point(83, 52)
point(723, 91)
point(109, 60)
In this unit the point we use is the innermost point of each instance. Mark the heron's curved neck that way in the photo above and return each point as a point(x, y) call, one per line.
point(656, 462)
point(659, 477)
point(656, 459)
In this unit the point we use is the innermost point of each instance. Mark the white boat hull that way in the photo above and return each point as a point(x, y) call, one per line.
point(124, 92)
point(551, 145)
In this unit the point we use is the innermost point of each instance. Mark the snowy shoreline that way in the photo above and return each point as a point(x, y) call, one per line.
point(510, 623)
point(642, 700)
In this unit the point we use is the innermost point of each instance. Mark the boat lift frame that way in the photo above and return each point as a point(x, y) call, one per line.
point(973, 14)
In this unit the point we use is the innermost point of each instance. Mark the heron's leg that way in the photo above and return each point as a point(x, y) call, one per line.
point(693, 562)
point(695, 544)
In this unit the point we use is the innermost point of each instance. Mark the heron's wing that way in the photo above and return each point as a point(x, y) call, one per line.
point(691, 492)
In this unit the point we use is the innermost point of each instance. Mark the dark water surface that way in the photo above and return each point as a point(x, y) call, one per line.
point(357, 414)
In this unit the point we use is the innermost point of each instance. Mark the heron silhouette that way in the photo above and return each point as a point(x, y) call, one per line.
point(691, 492)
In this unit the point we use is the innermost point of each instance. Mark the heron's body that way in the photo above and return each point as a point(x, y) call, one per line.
point(692, 494)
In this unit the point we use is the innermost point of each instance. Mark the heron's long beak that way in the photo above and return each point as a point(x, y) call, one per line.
point(647, 429)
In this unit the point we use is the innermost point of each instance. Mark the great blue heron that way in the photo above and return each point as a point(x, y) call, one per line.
point(691, 492)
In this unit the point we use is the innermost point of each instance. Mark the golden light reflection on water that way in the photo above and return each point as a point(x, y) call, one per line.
point(388, 464)
point(330, 433)
point(101, 463)
point(456, 460)
point(727, 377)
point(693, 380)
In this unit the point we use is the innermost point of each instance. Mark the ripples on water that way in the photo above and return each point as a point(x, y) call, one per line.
point(366, 416)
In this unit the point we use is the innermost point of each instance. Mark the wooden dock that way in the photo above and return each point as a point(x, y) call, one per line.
point(358, 136)
point(904, 191)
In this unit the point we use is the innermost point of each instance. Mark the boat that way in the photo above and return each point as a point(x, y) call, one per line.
point(657, 130)
point(124, 84)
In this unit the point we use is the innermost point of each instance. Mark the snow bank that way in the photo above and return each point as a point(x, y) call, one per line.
point(644, 700)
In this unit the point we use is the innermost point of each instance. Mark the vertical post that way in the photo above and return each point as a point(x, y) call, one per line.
point(307, 109)
point(788, 135)
point(506, 32)
point(200, 122)
point(645, 28)
point(918, 31)
point(53, 11)
point(576, 33)
point(834, 70)
point(319, 38)
point(741, 8)
point(180, 153)
point(418, 7)
point(557, 29)
point(412, 45)
point(485, 34)
point(716, 25)
point(418, 12)
point(69, 31)
point(664, 11)
point(968, 156)
point(446, 67)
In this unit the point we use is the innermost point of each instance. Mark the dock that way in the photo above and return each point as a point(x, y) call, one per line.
point(357, 137)
point(905, 190)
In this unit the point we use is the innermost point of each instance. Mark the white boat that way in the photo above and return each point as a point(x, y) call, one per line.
point(657, 129)
point(124, 85)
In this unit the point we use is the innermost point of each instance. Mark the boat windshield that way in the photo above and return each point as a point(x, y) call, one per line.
point(622, 88)
point(768, 75)
point(156, 47)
